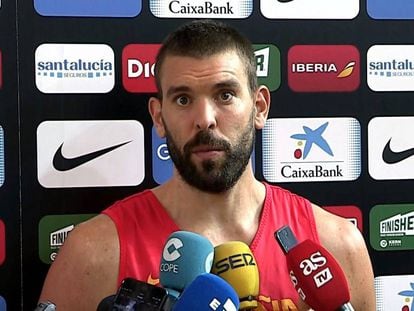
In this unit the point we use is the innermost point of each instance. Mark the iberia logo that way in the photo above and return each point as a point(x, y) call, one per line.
point(323, 68)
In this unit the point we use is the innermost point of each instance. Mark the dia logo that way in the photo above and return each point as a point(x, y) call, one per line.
point(138, 62)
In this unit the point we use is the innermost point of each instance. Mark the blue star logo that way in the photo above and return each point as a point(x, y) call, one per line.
point(312, 137)
point(409, 293)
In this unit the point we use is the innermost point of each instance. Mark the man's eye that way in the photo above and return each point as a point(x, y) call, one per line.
point(182, 100)
point(226, 96)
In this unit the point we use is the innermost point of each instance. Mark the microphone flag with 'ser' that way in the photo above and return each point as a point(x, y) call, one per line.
point(208, 292)
point(185, 256)
point(315, 273)
point(235, 263)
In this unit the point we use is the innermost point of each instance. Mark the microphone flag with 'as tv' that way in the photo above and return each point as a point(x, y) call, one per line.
point(315, 273)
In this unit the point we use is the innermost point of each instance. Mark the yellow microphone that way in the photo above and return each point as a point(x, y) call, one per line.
point(235, 263)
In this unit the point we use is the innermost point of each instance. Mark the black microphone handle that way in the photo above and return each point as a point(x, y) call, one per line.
point(346, 307)
point(106, 304)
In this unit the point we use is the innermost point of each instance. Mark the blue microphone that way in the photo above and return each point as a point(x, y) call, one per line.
point(208, 292)
point(185, 256)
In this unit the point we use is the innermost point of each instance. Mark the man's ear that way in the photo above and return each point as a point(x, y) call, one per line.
point(154, 108)
point(262, 102)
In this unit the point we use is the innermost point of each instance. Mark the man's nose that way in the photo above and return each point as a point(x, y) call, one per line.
point(205, 114)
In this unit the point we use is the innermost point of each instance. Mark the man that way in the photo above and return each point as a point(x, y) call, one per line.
point(208, 107)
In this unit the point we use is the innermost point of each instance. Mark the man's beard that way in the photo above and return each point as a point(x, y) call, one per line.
point(217, 175)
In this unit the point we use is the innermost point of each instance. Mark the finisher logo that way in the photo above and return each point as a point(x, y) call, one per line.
point(74, 68)
point(391, 148)
point(314, 149)
point(392, 227)
point(323, 68)
point(268, 65)
point(53, 231)
point(390, 68)
point(201, 9)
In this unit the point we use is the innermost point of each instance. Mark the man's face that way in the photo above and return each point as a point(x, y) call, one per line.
point(208, 119)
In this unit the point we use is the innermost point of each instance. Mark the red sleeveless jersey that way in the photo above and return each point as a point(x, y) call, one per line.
point(144, 225)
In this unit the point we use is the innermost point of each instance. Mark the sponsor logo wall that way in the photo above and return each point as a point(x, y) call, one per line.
point(395, 292)
point(75, 134)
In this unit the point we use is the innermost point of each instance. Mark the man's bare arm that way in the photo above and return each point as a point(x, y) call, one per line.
point(86, 268)
point(341, 238)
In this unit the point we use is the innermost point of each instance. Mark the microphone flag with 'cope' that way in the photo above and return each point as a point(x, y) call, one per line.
point(185, 256)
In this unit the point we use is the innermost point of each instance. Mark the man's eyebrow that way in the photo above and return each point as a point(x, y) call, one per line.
point(230, 84)
point(177, 89)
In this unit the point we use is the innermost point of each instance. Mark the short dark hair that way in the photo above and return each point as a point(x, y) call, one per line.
point(203, 38)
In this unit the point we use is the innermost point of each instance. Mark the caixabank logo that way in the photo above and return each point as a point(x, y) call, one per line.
point(2, 172)
point(391, 148)
point(390, 68)
point(323, 68)
point(311, 149)
point(394, 292)
point(138, 62)
point(305, 9)
point(88, 8)
point(392, 227)
point(90, 153)
point(385, 9)
point(201, 9)
point(74, 68)
point(53, 231)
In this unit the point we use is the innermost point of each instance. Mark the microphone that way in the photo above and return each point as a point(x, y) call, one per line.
point(206, 293)
point(185, 256)
point(315, 273)
point(45, 306)
point(235, 263)
point(106, 304)
point(135, 295)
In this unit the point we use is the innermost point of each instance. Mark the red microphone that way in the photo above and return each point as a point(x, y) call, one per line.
point(315, 273)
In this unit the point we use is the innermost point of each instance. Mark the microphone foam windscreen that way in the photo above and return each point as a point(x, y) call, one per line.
point(317, 276)
point(234, 262)
point(185, 256)
point(206, 293)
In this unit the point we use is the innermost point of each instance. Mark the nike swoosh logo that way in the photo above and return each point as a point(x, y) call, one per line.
point(389, 156)
point(61, 163)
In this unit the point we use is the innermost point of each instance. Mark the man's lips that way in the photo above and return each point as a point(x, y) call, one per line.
point(207, 152)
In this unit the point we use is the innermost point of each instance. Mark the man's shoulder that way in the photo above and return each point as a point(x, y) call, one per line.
point(335, 232)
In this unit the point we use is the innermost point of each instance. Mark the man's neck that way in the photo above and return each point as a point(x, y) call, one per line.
point(231, 215)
